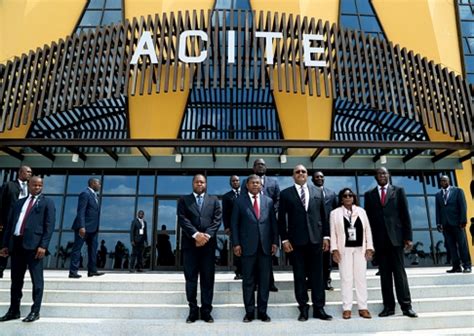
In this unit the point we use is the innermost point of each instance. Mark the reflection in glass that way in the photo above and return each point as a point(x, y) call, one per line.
point(420, 254)
point(119, 185)
point(222, 250)
point(112, 16)
point(348, 6)
point(166, 235)
point(77, 183)
point(54, 184)
point(366, 183)
point(117, 248)
point(58, 203)
point(174, 185)
point(440, 249)
point(146, 184)
point(63, 251)
point(336, 183)
point(218, 185)
point(432, 210)
point(285, 181)
point(91, 18)
point(70, 211)
point(51, 254)
point(409, 183)
point(418, 213)
point(117, 213)
point(115, 4)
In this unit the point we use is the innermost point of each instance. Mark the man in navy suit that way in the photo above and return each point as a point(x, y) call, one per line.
point(387, 208)
point(138, 239)
point(27, 236)
point(330, 203)
point(304, 232)
point(11, 192)
point(271, 189)
point(255, 239)
point(199, 216)
point(86, 229)
point(451, 219)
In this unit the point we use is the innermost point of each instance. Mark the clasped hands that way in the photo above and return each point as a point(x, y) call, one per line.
point(238, 250)
point(288, 248)
point(336, 256)
point(201, 239)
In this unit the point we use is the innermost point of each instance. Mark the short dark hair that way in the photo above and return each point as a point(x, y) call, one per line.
point(343, 191)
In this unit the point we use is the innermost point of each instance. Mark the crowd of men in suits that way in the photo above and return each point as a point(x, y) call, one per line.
point(257, 216)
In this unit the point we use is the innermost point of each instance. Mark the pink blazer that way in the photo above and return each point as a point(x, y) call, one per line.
point(338, 236)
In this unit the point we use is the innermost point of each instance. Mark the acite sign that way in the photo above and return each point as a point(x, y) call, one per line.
point(146, 47)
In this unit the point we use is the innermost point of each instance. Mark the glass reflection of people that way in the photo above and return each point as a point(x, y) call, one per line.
point(11, 192)
point(138, 239)
point(351, 247)
point(102, 254)
point(119, 253)
point(163, 246)
point(227, 205)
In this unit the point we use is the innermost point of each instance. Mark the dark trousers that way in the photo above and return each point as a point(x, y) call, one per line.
point(200, 262)
point(327, 268)
point(307, 260)
point(456, 241)
point(137, 254)
point(21, 260)
point(91, 240)
point(3, 260)
point(392, 269)
point(256, 268)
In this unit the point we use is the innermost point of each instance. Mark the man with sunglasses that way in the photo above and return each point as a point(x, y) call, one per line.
point(304, 232)
point(387, 208)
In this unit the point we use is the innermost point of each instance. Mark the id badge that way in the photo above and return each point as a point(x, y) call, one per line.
point(352, 234)
point(141, 232)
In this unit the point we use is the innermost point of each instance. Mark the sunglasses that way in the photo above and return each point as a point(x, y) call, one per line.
point(348, 195)
point(300, 171)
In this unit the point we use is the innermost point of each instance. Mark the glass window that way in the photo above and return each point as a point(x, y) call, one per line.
point(348, 6)
point(364, 7)
point(167, 215)
point(116, 4)
point(96, 4)
point(54, 184)
point(117, 249)
point(146, 185)
point(70, 211)
point(409, 183)
point(174, 185)
point(65, 248)
point(418, 214)
point(119, 185)
point(285, 181)
point(166, 233)
point(350, 22)
point(52, 252)
point(77, 183)
point(366, 183)
point(469, 60)
point(112, 16)
point(467, 28)
point(91, 18)
point(218, 185)
point(432, 210)
point(116, 213)
point(223, 4)
point(420, 254)
point(369, 24)
point(439, 248)
point(58, 203)
point(146, 204)
point(222, 250)
point(336, 183)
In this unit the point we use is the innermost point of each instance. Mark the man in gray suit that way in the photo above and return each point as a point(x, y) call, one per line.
point(86, 229)
point(451, 219)
point(255, 239)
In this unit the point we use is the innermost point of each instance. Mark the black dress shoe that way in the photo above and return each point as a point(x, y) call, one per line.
point(248, 317)
point(238, 277)
point(192, 317)
point(467, 270)
point(91, 274)
point(273, 289)
point(304, 312)
point(207, 318)
point(74, 276)
point(454, 270)
point(33, 316)
point(139, 270)
point(321, 314)
point(387, 312)
point(410, 313)
point(10, 316)
point(264, 317)
point(329, 288)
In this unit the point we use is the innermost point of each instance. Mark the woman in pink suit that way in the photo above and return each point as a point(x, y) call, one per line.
point(351, 247)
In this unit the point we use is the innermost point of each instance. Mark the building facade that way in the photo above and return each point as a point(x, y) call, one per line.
point(145, 94)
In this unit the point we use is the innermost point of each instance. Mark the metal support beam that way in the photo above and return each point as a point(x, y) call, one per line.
point(466, 157)
point(413, 154)
point(380, 154)
point(11, 152)
point(442, 155)
point(316, 153)
point(213, 150)
point(44, 152)
point(75, 150)
point(349, 153)
point(247, 157)
point(145, 153)
point(111, 153)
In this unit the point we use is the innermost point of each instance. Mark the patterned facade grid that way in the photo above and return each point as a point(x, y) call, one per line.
point(466, 23)
point(100, 13)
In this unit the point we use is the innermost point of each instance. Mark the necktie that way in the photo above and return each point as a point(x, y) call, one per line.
point(445, 196)
point(324, 193)
point(27, 213)
point(382, 195)
point(199, 202)
point(24, 190)
point(255, 207)
point(303, 197)
point(237, 194)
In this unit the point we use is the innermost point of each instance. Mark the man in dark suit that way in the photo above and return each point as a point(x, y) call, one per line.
point(86, 229)
point(271, 189)
point(255, 239)
point(138, 239)
point(199, 216)
point(330, 203)
point(387, 209)
point(451, 219)
point(304, 232)
point(27, 236)
point(11, 192)
point(227, 206)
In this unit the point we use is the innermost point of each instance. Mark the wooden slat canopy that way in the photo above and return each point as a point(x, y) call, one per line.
point(93, 65)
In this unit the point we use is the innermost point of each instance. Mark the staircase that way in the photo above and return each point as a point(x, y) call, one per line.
point(155, 304)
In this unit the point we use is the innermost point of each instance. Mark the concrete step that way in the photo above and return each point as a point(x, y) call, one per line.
point(220, 297)
point(452, 323)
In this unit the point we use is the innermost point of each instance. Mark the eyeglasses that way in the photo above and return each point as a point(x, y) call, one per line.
point(347, 195)
point(300, 171)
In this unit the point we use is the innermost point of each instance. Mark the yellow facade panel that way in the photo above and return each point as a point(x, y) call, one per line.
point(137, 8)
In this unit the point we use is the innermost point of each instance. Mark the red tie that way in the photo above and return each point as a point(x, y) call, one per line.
point(255, 207)
point(27, 213)
point(382, 195)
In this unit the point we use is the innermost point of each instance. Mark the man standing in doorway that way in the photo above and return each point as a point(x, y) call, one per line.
point(11, 192)
point(387, 208)
point(228, 200)
point(138, 239)
point(86, 229)
point(199, 216)
point(304, 232)
point(271, 189)
point(27, 236)
point(451, 219)
point(330, 203)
